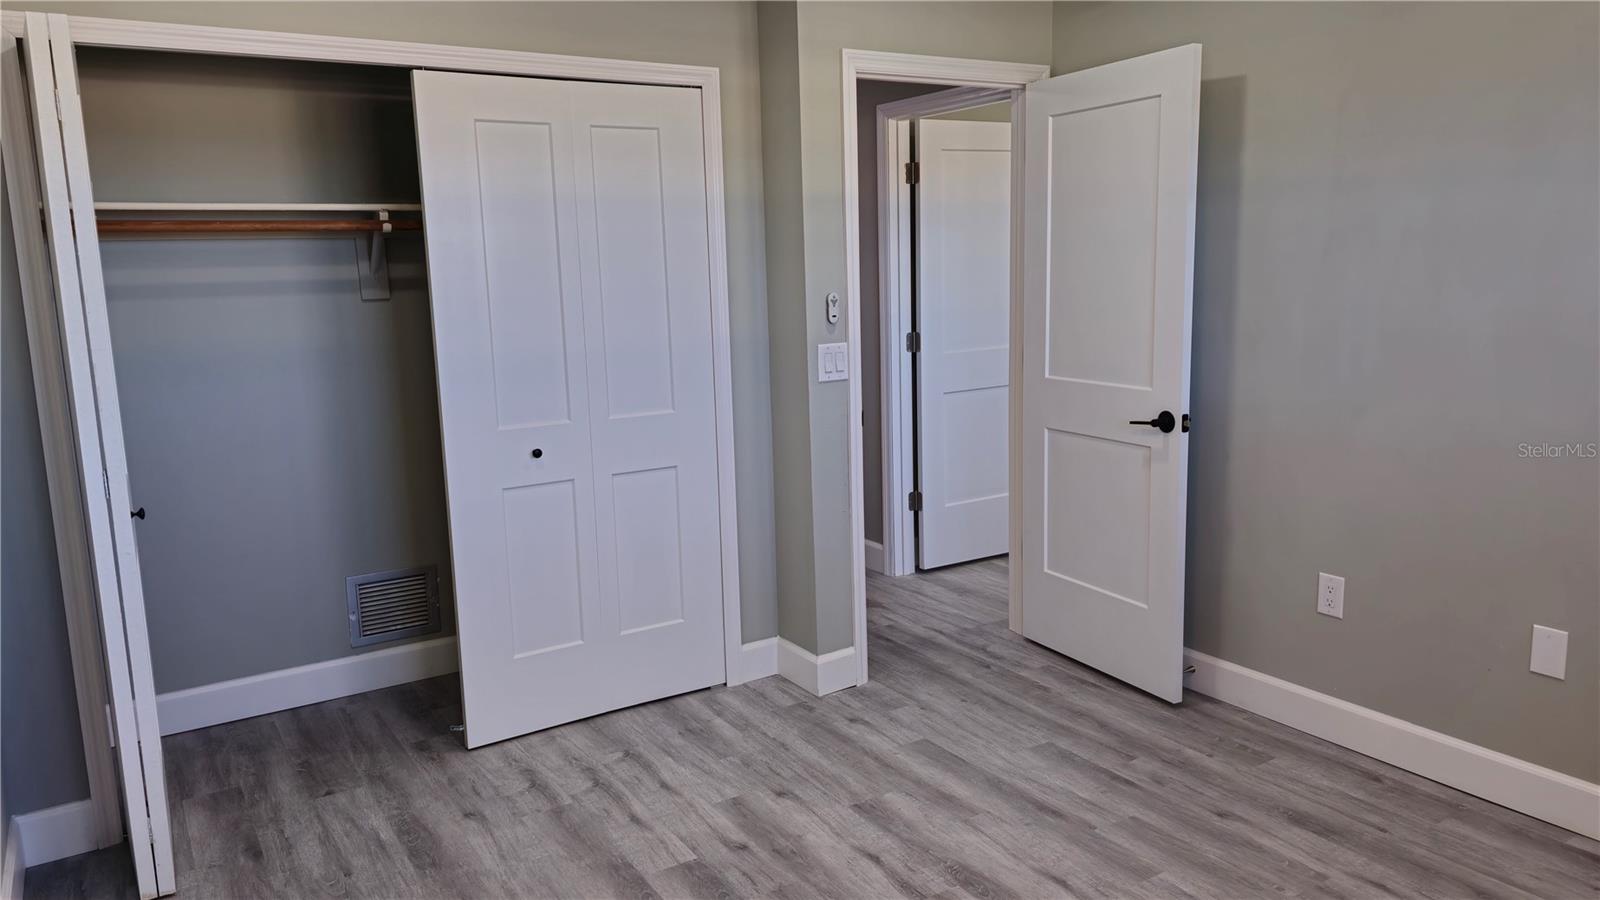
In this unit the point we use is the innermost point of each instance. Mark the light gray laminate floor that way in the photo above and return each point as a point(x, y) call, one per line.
point(974, 763)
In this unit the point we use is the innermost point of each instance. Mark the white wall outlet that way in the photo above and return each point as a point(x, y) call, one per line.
point(1330, 595)
point(1549, 656)
point(833, 362)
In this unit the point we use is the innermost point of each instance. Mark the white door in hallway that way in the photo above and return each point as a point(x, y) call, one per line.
point(569, 269)
point(964, 317)
point(1108, 257)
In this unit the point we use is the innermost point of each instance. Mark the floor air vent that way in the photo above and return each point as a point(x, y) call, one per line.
point(388, 606)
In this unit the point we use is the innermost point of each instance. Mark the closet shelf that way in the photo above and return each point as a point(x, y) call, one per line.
point(255, 226)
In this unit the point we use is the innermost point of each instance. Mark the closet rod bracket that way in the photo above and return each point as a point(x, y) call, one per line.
point(372, 263)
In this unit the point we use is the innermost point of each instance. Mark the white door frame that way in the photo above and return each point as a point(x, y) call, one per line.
point(917, 69)
point(895, 282)
point(90, 669)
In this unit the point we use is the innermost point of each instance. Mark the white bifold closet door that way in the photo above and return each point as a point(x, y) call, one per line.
point(569, 269)
point(55, 181)
point(964, 317)
point(1108, 258)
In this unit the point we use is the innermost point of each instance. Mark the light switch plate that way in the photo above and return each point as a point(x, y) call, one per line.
point(1549, 656)
point(833, 362)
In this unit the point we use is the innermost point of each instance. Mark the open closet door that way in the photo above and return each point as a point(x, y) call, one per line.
point(964, 318)
point(68, 202)
point(568, 263)
point(1108, 257)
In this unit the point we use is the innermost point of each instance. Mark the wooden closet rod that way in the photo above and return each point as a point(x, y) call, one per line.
point(253, 226)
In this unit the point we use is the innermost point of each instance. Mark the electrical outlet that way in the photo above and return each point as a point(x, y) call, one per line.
point(1330, 595)
point(1549, 656)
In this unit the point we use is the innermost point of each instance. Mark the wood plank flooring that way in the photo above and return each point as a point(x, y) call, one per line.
point(974, 763)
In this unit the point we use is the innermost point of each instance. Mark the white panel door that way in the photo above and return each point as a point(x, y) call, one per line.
point(1108, 260)
point(67, 195)
point(964, 317)
point(569, 270)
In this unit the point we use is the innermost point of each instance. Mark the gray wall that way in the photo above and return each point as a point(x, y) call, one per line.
point(282, 434)
point(786, 306)
point(1395, 286)
point(262, 135)
point(42, 750)
point(869, 96)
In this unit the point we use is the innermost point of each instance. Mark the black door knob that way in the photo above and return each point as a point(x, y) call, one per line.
point(138, 513)
point(1166, 422)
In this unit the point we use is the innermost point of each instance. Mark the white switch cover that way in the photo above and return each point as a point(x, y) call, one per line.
point(1330, 595)
point(833, 362)
point(1549, 652)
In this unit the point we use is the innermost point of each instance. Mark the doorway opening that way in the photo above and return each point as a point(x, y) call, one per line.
point(888, 99)
point(935, 298)
point(1092, 358)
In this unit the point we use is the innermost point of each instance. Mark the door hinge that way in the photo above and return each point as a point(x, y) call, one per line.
point(913, 172)
point(105, 482)
point(913, 342)
point(111, 727)
point(59, 116)
point(914, 501)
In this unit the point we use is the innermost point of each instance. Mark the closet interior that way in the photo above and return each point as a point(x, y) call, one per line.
point(268, 302)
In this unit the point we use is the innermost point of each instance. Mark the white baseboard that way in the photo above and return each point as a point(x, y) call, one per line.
point(818, 674)
point(874, 557)
point(269, 692)
point(12, 867)
point(53, 833)
point(757, 659)
point(1543, 793)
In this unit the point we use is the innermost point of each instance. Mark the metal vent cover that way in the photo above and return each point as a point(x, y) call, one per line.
point(388, 606)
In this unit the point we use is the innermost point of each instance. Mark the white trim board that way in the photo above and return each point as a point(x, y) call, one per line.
point(821, 675)
point(874, 554)
point(55, 832)
point(14, 870)
point(757, 659)
point(269, 692)
point(1543, 793)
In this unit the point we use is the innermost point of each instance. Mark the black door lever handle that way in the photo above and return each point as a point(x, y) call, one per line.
point(1166, 422)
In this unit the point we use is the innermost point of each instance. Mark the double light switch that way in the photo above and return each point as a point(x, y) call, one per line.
point(833, 362)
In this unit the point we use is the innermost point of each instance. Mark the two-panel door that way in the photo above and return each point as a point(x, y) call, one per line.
point(1108, 252)
point(964, 317)
point(569, 268)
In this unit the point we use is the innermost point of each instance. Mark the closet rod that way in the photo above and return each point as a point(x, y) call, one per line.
point(136, 206)
point(254, 226)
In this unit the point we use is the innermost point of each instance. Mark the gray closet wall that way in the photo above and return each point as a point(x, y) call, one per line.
point(282, 433)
